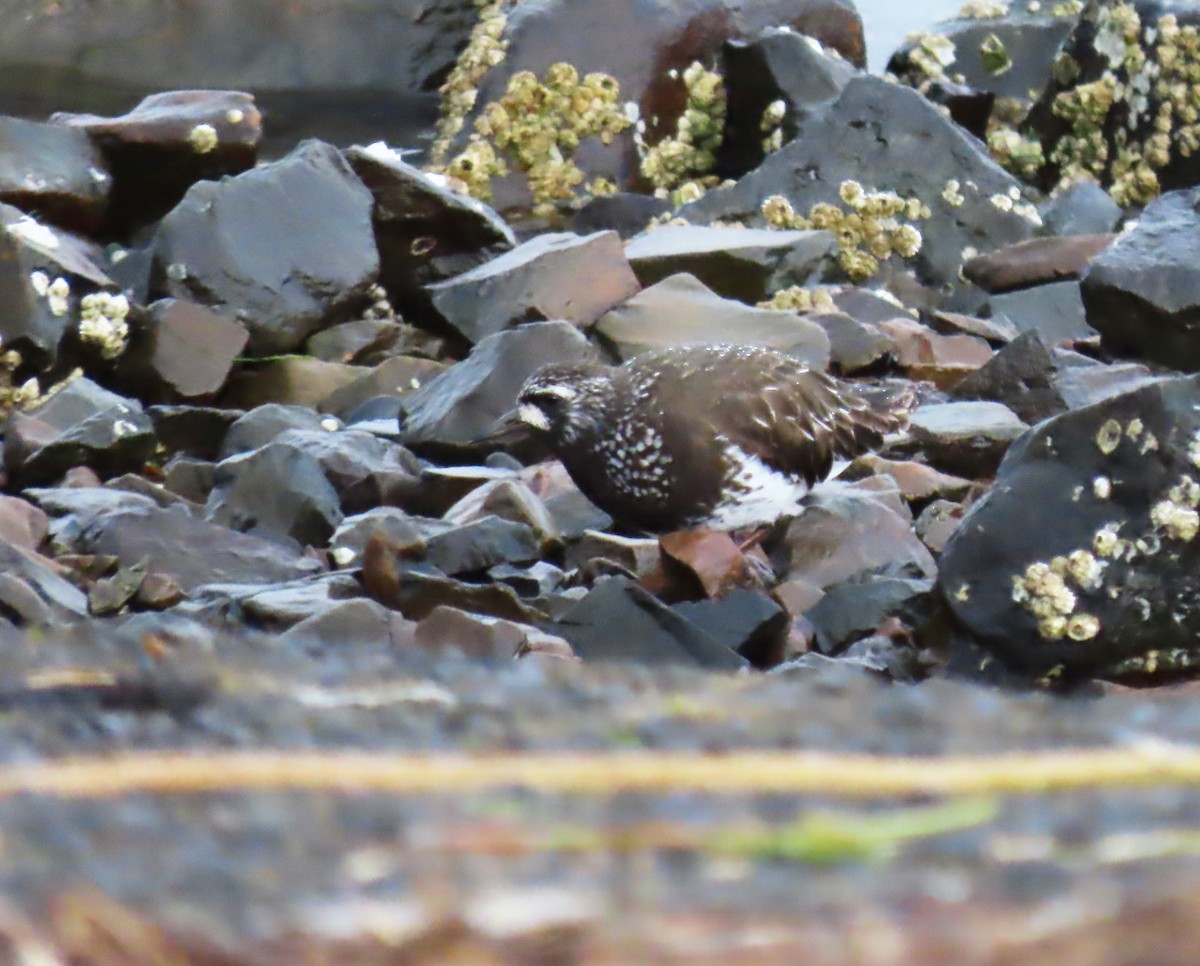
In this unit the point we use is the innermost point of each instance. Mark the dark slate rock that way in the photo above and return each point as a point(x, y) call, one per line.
point(426, 233)
point(197, 431)
point(1029, 41)
point(454, 408)
point(1054, 311)
point(853, 345)
point(746, 264)
point(965, 438)
point(551, 276)
point(744, 620)
point(263, 423)
point(1084, 385)
point(1083, 555)
point(1022, 375)
point(475, 635)
point(1143, 292)
point(855, 608)
point(1035, 261)
point(845, 532)
point(626, 212)
point(191, 478)
point(618, 621)
point(885, 137)
point(285, 248)
point(536, 580)
point(181, 351)
point(34, 257)
point(33, 591)
point(132, 528)
point(779, 65)
point(274, 607)
point(481, 544)
point(346, 625)
point(54, 173)
point(574, 514)
point(278, 492)
point(354, 340)
point(392, 379)
point(508, 500)
point(969, 108)
point(405, 534)
point(1083, 208)
point(80, 425)
point(657, 42)
point(365, 470)
point(161, 147)
point(681, 310)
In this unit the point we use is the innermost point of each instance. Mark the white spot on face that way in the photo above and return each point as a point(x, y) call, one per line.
point(533, 416)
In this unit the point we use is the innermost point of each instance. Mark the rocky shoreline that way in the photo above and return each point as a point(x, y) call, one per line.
point(244, 389)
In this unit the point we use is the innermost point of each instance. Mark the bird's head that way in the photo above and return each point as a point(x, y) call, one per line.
point(562, 400)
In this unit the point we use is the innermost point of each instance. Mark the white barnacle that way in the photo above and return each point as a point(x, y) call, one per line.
point(1177, 522)
point(1083, 627)
point(342, 556)
point(202, 138)
point(1105, 541)
point(1109, 437)
point(1102, 487)
point(40, 283)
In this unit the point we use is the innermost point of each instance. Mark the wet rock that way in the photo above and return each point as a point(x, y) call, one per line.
point(1143, 292)
point(80, 425)
point(293, 380)
point(637, 556)
point(44, 272)
point(285, 248)
point(1022, 376)
point(263, 423)
point(626, 212)
point(455, 407)
point(278, 492)
point(844, 533)
point(394, 377)
point(618, 621)
point(746, 264)
point(1008, 55)
point(426, 233)
point(1081, 559)
point(1055, 311)
point(853, 345)
point(712, 562)
point(552, 276)
point(1035, 261)
point(887, 137)
point(681, 310)
point(482, 544)
point(197, 431)
point(165, 144)
point(967, 438)
point(477, 635)
point(660, 41)
point(744, 620)
point(509, 500)
point(854, 609)
point(778, 66)
point(133, 529)
point(53, 173)
point(943, 360)
point(181, 351)
point(938, 523)
point(1083, 208)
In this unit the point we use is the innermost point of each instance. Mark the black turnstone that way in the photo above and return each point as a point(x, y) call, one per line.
point(713, 437)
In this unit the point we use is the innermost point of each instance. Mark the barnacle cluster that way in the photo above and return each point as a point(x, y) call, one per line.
point(928, 56)
point(797, 298)
point(12, 395)
point(772, 125)
point(684, 159)
point(867, 225)
point(102, 322)
point(994, 55)
point(982, 10)
point(57, 293)
point(538, 124)
point(1018, 155)
point(1126, 125)
point(485, 49)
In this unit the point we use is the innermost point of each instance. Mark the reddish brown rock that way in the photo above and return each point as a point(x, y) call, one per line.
point(479, 635)
point(21, 523)
point(1034, 262)
point(712, 560)
point(940, 359)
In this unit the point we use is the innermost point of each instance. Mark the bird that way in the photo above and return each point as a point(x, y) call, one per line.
point(713, 437)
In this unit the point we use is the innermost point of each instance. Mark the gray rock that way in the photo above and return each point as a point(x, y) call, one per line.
point(480, 545)
point(680, 310)
point(1022, 376)
point(551, 276)
point(286, 248)
point(1143, 292)
point(1055, 311)
point(364, 470)
point(455, 407)
point(853, 609)
point(966, 438)
point(264, 423)
point(744, 620)
point(54, 173)
point(197, 431)
point(1083, 208)
point(746, 264)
